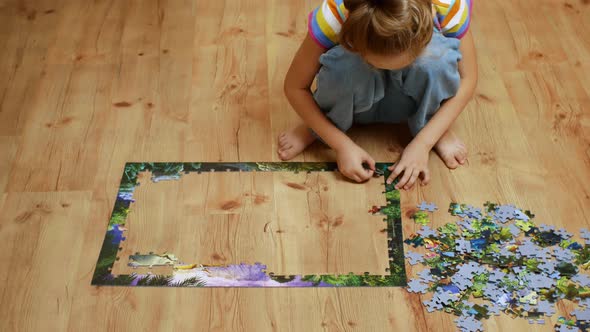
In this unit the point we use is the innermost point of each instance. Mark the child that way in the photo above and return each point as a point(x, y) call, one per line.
point(386, 61)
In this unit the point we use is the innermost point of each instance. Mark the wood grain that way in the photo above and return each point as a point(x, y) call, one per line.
point(295, 224)
point(86, 86)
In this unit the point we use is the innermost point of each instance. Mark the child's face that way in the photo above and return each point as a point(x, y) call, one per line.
point(389, 62)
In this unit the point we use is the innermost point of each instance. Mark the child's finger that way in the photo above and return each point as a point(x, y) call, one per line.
point(426, 178)
point(407, 174)
point(352, 176)
point(412, 180)
point(370, 161)
point(364, 174)
point(358, 178)
point(395, 173)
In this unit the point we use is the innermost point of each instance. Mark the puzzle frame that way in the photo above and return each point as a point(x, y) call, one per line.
point(239, 275)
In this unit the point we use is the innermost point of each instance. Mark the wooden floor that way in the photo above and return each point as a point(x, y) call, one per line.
point(86, 86)
point(295, 224)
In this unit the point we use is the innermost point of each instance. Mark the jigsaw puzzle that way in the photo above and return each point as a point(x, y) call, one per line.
point(500, 256)
point(252, 274)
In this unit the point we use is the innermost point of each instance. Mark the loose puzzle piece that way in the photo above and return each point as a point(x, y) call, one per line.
point(539, 281)
point(421, 218)
point(547, 267)
point(582, 314)
point(500, 255)
point(469, 324)
point(565, 328)
point(582, 279)
point(546, 308)
point(466, 225)
point(430, 207)
point(462, 246)
point(445, 297)
point(563, 255)
point(563, 233)
point(426, 231)
point(514, 230)
point(493, 309)
point(426, 276)
point(546, 228)
point(414, 257)
point(473, 212)
point(456, 210)
point(415, 286)
point(584, 303)
point(432, 305)
point(519, 215)
point(496, 275)
point(415, 240)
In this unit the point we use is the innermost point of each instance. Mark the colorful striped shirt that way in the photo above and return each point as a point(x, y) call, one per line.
point(325, 22)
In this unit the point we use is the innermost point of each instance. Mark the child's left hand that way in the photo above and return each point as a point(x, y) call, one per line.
point(414, 164)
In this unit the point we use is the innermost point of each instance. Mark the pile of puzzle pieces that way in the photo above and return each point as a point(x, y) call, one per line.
point(495, 260)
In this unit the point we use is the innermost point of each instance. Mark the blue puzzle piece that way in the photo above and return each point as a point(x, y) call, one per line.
point(469, 324)
point(430, 207)
point(416, 286)
point(583, 315)
point(414, 257)
point(426, 232)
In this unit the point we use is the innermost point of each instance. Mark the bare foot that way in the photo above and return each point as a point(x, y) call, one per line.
point(451, 150)
point(293, 142)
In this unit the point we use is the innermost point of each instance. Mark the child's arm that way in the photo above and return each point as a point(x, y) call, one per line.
point(414, 159)
point(297, 86)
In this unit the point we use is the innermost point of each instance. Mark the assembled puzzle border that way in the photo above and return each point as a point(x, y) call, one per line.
point(237, 275)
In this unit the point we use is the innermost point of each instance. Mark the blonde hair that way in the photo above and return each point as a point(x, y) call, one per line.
point(387, 27)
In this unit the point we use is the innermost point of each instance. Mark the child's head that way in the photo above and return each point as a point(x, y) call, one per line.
point(389, 34)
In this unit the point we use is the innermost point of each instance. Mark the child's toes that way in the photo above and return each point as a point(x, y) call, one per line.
point(462, 156)
point(451, 162)
point(284, 154)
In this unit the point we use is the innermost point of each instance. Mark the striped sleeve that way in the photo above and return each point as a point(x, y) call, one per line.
point(325, 22)
point(454, 16)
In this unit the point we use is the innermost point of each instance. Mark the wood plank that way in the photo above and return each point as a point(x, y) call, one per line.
point(27, 32)
point(284, 34)
point(39, 244)
point(8, 148)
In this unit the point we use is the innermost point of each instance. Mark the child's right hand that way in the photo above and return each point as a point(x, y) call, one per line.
point(350, 160)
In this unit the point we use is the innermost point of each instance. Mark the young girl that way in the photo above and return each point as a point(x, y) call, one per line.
point(386, 61)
